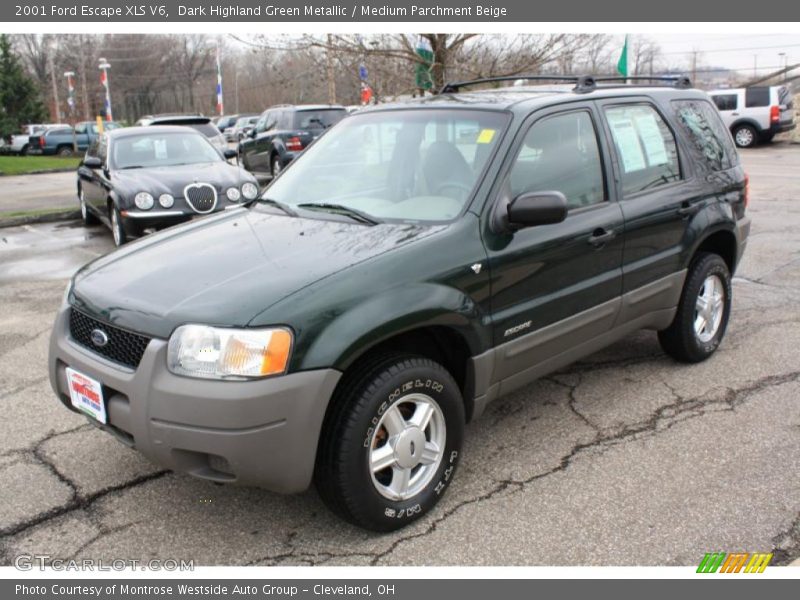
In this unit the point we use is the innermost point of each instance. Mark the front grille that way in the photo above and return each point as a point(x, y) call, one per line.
point(123, 347)
point(201, 197)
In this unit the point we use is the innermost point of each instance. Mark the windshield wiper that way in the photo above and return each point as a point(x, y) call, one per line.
point(272, 202)
point(353, 213)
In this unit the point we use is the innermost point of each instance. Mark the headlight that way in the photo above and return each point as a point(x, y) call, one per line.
point(215, 353)
point(250, 190)
point(233, 194)
point(143, 201)
point(166, 200)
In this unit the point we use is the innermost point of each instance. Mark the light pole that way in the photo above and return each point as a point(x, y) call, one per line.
point(71, 105)
point(104, 67)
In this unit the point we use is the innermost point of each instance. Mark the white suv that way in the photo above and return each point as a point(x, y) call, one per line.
point(755, 114)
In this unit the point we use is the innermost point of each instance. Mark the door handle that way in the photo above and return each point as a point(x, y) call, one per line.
point(687, 209)
point(734, 114)
point(601, 236)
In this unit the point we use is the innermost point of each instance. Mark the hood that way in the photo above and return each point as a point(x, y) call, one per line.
point(226, 269)
point(172, 180)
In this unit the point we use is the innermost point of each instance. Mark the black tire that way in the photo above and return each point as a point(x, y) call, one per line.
point(117, 227)
point(343, 473)
point(681, 340)
point(24, 150)
point(766, 138)
point(86, 215)
point(64, 151)
point(276, 166)
point(745, 136)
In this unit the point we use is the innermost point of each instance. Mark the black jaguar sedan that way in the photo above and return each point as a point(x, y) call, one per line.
point(140, 179)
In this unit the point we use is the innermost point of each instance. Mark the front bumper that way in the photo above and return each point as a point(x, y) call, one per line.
point(262, 432)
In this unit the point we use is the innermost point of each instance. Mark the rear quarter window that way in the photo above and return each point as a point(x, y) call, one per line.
point(709, 140)
point(756, 96)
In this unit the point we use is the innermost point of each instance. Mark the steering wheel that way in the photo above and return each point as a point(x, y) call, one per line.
point(452, 184)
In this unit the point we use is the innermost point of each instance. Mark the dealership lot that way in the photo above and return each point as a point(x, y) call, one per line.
point(626, 458)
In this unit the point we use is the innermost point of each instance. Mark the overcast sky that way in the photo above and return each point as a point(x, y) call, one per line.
point(734, 51)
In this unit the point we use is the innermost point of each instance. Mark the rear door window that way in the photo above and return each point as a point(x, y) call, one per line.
point(711, 143)
point(756, 96)
point(725, 101)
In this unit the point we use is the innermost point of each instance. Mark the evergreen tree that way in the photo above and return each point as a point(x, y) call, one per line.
point(20, 102)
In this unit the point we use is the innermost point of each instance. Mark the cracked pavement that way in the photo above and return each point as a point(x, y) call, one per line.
point(626, 458)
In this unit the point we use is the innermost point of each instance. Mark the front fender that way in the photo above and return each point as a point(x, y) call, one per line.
point(379, 317)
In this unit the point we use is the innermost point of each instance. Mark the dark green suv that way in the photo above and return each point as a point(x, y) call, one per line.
point(412, 265)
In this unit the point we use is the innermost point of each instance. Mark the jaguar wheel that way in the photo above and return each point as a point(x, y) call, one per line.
point(703, 311)
point(117, 229)
point(87, 217)
point(391, 442)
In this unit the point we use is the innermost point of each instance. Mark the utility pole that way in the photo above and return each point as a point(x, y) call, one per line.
point(84, 89)
point(56, 101)
point(755, 65)
point(331, 80)
point(694, 67)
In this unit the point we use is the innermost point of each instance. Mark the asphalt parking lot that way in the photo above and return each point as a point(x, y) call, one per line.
point(626, 458)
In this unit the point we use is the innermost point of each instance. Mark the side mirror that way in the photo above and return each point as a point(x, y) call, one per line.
point(537, 208)
point(92, 162)
point(252, 133)
point(229, 153)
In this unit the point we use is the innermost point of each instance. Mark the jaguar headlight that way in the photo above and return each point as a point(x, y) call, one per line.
point(250, 191)
point(143, 201)
point(217, 353)
point(166, 200)
point(233, 194)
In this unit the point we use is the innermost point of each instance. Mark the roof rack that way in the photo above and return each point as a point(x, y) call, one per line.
point(584, 84)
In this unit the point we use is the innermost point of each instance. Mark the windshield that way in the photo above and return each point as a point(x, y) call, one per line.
point(318, 119)
point(417, 165)
point(162, 150)
point(246, 121)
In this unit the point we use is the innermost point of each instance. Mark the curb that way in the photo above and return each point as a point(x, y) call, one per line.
point(41, 172)
point(63, 215)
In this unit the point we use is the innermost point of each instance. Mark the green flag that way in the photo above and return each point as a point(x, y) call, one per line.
point(423, 77)
point(622, 64)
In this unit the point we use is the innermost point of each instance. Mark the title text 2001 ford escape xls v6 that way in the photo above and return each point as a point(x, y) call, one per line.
point(415, 263)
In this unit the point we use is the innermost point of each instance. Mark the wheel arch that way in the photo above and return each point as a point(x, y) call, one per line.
point(722, 242)
point(746, 121)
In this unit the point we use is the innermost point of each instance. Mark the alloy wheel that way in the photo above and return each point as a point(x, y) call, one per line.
point(709, 308)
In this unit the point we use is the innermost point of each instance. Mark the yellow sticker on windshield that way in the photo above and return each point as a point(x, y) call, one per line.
point(486, 136)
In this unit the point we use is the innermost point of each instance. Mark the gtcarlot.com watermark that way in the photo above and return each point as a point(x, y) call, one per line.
point(41, 562)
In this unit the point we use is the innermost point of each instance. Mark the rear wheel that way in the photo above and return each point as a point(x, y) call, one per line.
point(703, 311)
point(117, 230)
point(64, 151)
point(391, 444)
point(277, 166)
point(745, 136)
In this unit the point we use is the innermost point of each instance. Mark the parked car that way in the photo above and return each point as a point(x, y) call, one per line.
point(139, 179)
point(400, 276)
point(202, 124)
point(755, 114)
point(62, 141)
point(225, 122)
point(20, 143)
point(241, 128)
point(282, 132)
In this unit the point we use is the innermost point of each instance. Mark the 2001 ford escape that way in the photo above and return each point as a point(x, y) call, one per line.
point(414, 264)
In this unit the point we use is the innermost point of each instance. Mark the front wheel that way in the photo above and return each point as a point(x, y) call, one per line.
point(391, 444)
point(117, 229)
point(87, 217)
point(703, 311)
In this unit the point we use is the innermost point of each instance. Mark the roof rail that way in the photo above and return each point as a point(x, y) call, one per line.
point(583, 83)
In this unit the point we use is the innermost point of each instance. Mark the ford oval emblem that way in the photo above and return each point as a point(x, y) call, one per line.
point(99, 337)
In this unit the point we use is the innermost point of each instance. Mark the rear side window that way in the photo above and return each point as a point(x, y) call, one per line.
point(756, 96)
point(648, 154)
point(711, 144)
point(725, 101)
point(560, 153)
point(317, 119)
point(207, 129)
point(785, 97)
